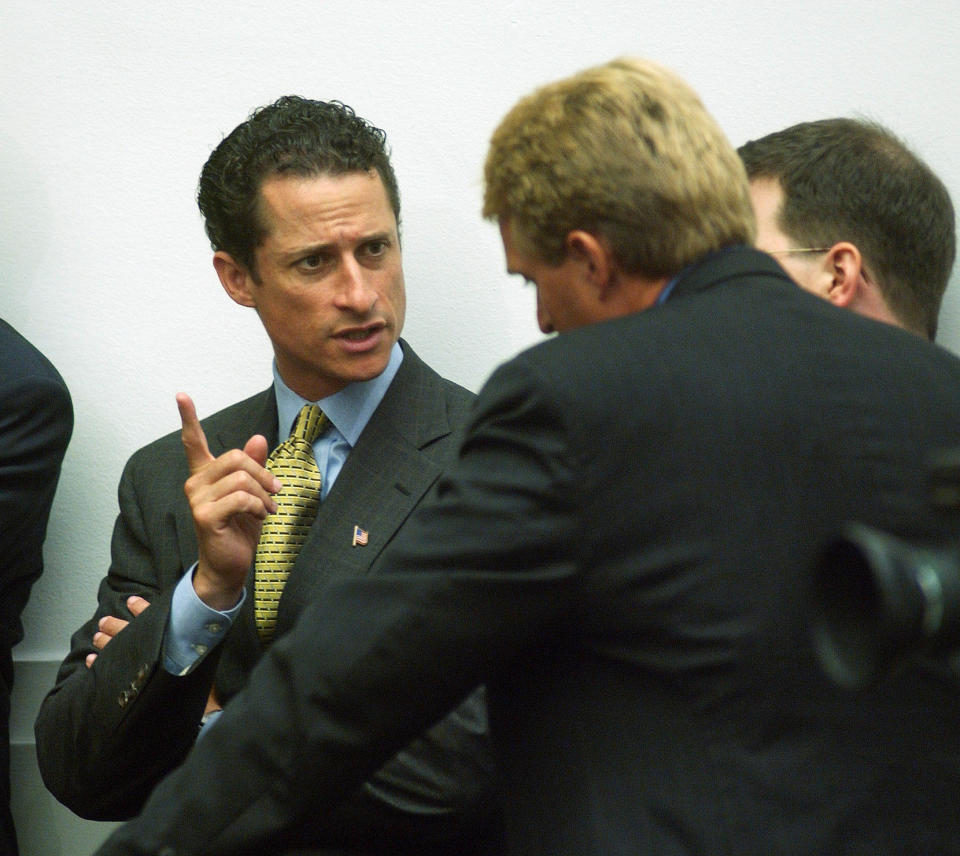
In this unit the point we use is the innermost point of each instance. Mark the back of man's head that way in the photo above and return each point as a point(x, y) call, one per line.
point(853, 180)
point(292, 136)
point(625, 150)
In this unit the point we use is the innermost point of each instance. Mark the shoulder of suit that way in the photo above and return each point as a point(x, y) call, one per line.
point(455, 394)
point(20, 358)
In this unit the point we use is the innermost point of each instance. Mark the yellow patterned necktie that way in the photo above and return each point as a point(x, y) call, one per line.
point(284, 531)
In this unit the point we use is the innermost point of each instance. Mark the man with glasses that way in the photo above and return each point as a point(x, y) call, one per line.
point(855, 217)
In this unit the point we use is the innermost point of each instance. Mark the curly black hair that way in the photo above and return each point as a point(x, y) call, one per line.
point(292, 135)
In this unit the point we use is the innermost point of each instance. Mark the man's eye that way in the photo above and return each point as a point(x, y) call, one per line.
point(376, 248)
point(311, 262)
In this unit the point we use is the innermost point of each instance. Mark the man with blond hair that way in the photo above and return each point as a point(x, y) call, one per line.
point(620, 551)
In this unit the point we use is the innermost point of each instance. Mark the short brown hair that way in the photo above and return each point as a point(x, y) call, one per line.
point(625, 150)
point(852, 180)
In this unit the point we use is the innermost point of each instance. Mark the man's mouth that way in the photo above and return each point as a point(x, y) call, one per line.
point(359, 335)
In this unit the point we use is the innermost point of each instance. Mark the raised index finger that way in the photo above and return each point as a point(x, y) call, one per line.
point(194, 440)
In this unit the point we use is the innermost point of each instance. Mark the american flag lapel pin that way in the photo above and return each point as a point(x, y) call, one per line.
point(360, 537)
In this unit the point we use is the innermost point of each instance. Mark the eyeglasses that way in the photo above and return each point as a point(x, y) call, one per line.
point(799, 250)
point(863, 268)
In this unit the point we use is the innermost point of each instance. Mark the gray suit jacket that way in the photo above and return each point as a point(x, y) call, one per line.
point(107, 735)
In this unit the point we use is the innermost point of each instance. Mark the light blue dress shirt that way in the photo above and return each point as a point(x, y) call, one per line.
point(194, 628)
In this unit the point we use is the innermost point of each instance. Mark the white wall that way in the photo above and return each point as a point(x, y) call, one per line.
point(109, 109)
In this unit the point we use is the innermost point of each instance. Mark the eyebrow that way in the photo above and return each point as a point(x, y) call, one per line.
point(316, 249)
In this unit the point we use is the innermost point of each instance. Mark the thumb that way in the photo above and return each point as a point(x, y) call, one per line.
point(256, 448)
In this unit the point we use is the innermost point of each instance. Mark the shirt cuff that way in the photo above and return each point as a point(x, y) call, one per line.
point(207, 722)
point(193, 628)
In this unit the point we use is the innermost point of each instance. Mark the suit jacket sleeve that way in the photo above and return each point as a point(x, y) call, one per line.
point(107, 734)
point(36, 420)
point(484, 575)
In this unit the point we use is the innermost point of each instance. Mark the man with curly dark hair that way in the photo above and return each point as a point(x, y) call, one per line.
point(302, 210)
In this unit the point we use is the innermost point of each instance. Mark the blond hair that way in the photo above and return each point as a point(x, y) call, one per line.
point(625, 150)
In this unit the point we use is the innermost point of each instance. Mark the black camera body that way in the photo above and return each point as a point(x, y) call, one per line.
point(877, 600)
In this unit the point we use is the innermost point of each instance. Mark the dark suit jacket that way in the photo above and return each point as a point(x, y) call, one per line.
point(36, 421)
point(105, 736)
point(621, 553)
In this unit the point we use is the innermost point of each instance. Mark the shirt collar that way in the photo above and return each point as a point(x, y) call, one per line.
point(349, 409)
point(665, 291)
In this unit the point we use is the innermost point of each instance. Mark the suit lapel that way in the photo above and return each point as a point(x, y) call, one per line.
point(385, 477)
point(258, 415)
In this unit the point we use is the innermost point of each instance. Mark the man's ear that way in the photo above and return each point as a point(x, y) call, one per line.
point(843, 264)
point(235, 278)
point(594, 256)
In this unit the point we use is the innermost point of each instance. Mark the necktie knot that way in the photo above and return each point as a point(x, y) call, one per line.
point(310, 423)
point(297, 449)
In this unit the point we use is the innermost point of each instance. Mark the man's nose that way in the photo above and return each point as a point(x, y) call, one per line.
point(356, 292)
point(543, 317)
